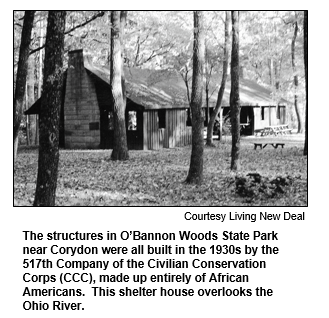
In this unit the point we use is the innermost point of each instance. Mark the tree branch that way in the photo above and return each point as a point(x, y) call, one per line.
point(94, 17)
point(154, 54)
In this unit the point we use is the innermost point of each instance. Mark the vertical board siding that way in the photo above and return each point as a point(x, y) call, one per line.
point(282, 119)
point(180, 131)
point(174, 128)
point(176, 133)
point(153, 130)
point(149, 130)
point(156, 130)
point(166, 134)
point(170, 130)
point(267, 120)
point(161, 137)
point(272, 116)
point(145, 134)
point(179, 134)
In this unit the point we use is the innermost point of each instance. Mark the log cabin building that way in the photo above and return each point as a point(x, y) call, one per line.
point(157, 108)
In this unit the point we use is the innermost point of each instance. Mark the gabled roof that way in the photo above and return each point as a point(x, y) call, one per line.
point(153, 89)
point(251, 93)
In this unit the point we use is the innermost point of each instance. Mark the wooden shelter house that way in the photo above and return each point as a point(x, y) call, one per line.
point(157, 108)
point(258, 107)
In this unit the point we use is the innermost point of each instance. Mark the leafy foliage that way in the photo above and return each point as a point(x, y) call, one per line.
point(164, 40)
point(253, 186)
point(155, 178)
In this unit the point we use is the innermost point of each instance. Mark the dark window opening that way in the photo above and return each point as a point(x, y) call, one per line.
point(162, 118)
point(278, 115)
point(132, 120)
point(111, 121)
point(262, 112)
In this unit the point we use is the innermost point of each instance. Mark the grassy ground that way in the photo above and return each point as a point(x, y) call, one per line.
point(89, 178)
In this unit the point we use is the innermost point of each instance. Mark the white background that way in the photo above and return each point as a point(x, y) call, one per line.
point(298, 274)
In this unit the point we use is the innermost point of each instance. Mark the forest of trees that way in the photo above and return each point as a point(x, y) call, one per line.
point(196, 44)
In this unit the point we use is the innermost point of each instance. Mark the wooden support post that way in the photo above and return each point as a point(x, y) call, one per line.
point(220, 134)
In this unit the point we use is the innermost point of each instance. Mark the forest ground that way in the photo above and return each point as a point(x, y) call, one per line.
point(156, 178)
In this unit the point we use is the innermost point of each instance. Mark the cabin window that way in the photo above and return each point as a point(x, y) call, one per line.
point(111, 121)
point(162, 118)
point(132, 120)
point(262, 110)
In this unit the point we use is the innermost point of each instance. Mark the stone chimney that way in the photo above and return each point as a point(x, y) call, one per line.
point(75, 74)
point(81, 110)
point(76, 59)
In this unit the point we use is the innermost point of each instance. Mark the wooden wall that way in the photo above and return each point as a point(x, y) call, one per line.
point(175, 133)
point(81, 111)
point(270, 116)
point(282, 119)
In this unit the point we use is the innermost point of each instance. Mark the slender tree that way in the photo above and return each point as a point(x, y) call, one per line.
point(30, 100)
point(195, 173)
point(50, 109)
point(306, 79)
point(123, 19)
point(21, 74)
point(293, 63)
point(235, 94)
point(41, 24)
point(215, 112)
point(120, 147)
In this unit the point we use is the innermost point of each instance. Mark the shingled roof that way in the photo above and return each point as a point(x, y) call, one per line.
point(156, 89)
point(152, 89)
point(251, 93)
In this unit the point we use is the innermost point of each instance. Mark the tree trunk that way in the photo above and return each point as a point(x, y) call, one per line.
point(27, 118)
point(210, 128)
point(235, 95)
point(207, 104)
point(50, 110)
point(30, 99)
point(195, 173)
point(120, 148)
point(270, 71)
point(123, 19)
point(293, 45)
point(184, 75)
point(208, 71)
point(276, 76)
point(21, 74)
point(306, 79)
point(39, 79)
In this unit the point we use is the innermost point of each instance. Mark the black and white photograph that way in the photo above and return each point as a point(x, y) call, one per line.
point(160, 108)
